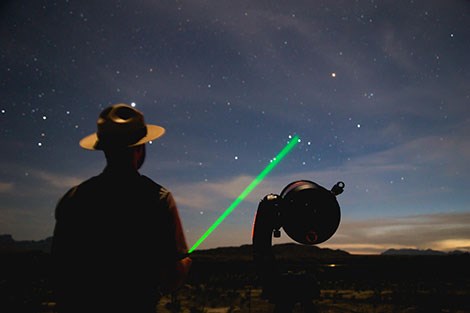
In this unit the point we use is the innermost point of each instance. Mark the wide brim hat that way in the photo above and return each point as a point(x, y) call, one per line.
point(121, 126)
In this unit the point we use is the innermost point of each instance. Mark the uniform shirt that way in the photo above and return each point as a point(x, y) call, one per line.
point(116, 242)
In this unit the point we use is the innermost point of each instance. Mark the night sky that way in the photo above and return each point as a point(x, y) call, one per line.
point(378, 91)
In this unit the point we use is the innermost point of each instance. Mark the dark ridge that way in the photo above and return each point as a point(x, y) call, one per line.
point(8, 245)
point(288, 251)
point(412, 252)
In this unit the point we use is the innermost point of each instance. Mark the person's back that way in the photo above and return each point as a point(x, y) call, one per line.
point(117, 240)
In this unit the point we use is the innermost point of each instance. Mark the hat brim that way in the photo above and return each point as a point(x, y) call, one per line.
point(90, 142)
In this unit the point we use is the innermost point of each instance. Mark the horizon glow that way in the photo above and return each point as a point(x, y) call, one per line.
point(272, 164)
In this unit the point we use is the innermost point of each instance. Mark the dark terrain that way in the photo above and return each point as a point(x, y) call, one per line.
point(225, 280)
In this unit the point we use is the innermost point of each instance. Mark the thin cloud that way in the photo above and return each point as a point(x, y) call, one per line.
point(378, 174)
point(55, 180)
point(444, 231)
point(6, 187)
point(213, 196)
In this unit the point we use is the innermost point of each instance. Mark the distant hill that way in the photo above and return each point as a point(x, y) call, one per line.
point(297, 251)
point(413, 252)
point(8, 244)
point(288, 251)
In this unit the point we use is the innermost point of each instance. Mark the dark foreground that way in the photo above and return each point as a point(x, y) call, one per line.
point(225, 281)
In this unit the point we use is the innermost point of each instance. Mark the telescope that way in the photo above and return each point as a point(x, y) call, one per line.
point(309, 214)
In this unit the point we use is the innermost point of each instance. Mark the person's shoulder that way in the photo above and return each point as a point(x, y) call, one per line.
point(88, 184)
point(74, 194)
point(156, 187)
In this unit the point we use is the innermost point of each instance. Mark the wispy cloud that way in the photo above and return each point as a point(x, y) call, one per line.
point(6, 187)
point(36, 178)
point(56, 180)
point(214, 196)
point(444, 231)
point(398, 172)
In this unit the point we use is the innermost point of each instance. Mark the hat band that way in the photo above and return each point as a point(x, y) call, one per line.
point(117, 140)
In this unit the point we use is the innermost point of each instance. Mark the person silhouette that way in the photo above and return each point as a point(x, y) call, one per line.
point(118, 240)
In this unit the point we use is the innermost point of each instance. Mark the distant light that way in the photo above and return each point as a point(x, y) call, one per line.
point(236, 157)
point(358, 125)
point(333, 74)
point(44, 117)
point(133, 104)
point(39, 144)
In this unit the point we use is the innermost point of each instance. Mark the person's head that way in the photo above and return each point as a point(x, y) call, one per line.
point(122, 134)
point(125, 157)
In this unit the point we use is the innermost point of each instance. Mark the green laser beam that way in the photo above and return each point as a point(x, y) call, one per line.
point(290, 145)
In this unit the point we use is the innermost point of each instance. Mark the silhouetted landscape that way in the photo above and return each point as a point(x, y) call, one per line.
point(225, 280)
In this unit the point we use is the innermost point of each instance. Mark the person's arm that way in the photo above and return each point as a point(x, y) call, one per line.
point(60, 240)
point(60, 250)
point(178, 274)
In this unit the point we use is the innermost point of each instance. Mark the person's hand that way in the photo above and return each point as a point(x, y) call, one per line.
point(180, 274)
point(183, 267)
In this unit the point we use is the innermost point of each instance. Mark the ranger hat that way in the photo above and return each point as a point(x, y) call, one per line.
point(121, 126)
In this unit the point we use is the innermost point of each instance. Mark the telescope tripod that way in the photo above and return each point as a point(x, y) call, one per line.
point(309, 214)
